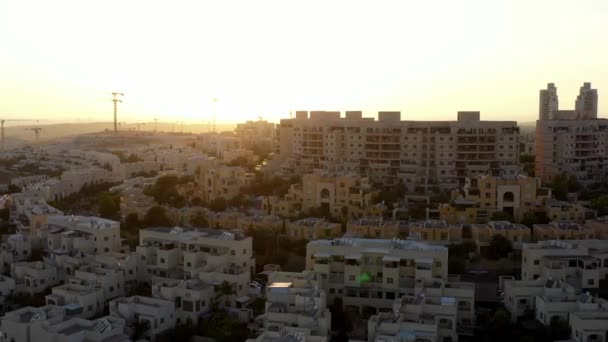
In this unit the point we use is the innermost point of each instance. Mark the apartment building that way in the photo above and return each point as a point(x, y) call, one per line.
point(372, 227)
point(559, 278)
point(417, 318)
point(589, 326)
point(192, 298)
point(372, 273)
point(18, 246)
point(228, 219)
point(599, 226)
point(84, 301)
point(313, 228)
point(295, 300)
point(211, 255)
point(517, 233)
point(33, 277)
point(30, 214)
point(260, 223)
point(571, 141)
point(435, 232)
point(594, 253)
point(420, 154)
point(110, 281)
point(103, 329)
point(563, 230)
point(90, 235)
point(342, 195)
point(134, 201)
point(566, 211)
point(483, 195)
point(56, 323)
point(559, 305)
point(260, 134)
point(221, 181)
point(156, 315)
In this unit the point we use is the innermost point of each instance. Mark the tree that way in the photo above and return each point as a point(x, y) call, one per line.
point(558, 329)
point(199, 220)
point(600, 204)
point(109, 206)
point(563, 184)
point(131, 221)
point(164, 191)
point(156, 217)
point(533, 217)
point(501, 216)
point(218, 204)
point(499, 247)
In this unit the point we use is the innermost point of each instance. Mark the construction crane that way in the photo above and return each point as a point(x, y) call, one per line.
point(36, 132)
point(116, 100)
point(2, 128)
point(214, 112)
point(140, 124)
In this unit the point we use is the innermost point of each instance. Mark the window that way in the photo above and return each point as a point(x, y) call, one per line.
point(351, 278)
point(591, 282)
point(389, 280)
point(536, 262)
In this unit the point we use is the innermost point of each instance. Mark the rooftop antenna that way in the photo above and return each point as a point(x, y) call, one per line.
point(115, 99)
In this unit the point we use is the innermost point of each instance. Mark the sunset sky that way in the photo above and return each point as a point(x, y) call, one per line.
point(60, 60)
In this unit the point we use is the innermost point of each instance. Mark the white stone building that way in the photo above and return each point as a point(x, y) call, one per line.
point(156, 315)
point(213, 256)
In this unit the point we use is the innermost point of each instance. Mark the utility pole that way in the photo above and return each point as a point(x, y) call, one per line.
point(36, 132)
point(2, 129)
point(155, 124)
point(116, 100)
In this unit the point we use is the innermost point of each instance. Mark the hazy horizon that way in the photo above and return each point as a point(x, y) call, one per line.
point(61, 61)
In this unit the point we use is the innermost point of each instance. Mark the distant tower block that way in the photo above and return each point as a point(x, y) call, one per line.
point(549, 103)
point(116, 100)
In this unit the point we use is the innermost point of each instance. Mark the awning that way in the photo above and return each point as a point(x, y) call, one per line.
point(390, 258)
point(322, 255)
point(424, 260)
point(354, 257)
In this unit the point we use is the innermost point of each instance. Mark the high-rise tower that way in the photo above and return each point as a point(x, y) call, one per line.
point(586, 102)
point(549, 103)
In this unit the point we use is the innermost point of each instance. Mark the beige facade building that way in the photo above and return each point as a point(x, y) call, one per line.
point(372, 227)
point(220, 181)
point(566, 211)
point(571, 141)
point(420, 154)
point(484, 195)
point(435, 232)
point(313, 228)
point(563, 230)
point(599, 226)
point(517, 233)
point(343, 196)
